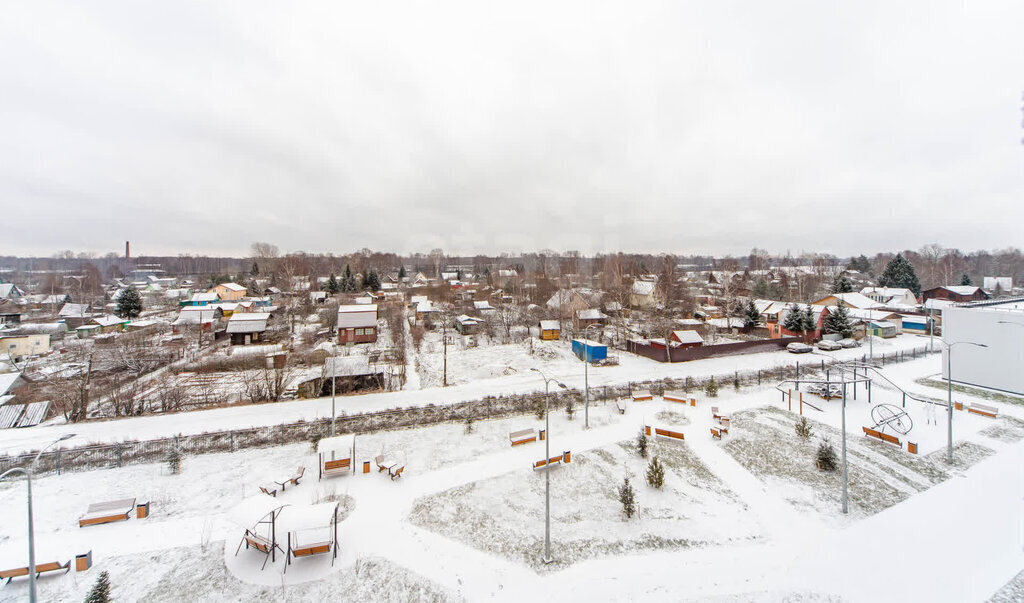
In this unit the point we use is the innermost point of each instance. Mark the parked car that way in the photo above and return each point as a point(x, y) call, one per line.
point(849, 343)
point(829, 346)
point(798, 348)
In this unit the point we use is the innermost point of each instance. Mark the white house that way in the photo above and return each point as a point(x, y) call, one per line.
point(890, 296)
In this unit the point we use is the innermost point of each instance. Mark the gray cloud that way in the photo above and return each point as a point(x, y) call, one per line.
point(684, 127)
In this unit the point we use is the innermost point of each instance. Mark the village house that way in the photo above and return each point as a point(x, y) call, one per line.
point(775, 315)
point(247, 327)
point(955, 293)
point(24, 346)
point(467, 325)
point(357, 323)
point(202, 299)
point(10, 291)
point(229, 291)
point(589, 317)
point(645, 295)
point(75, 315)
point(569, 301)
point(850, 300)
point(206, 318)
point(108, 323)
point(890, 296)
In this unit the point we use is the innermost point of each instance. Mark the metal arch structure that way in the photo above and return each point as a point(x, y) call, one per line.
point(892, 416)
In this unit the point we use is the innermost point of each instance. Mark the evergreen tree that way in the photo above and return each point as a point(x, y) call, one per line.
point(838, 321)
point(458, 275)
point(794, 320)
point(100, 592)
point(761, 289)
point(401, 272)
point(129, 304)
point(174, 460)
point(860, 264)
point(255, 270)
point(825, 459)
point(711, 388)
point(810, 323)
point(899, 272)
point(803, 429)
point(332, 285)
point(750, 315)
point(371, 281)
point(348, 281)
point(627, 498)
point(655, 474)
point(641, 443)
point(965, 280)
point(841, 284)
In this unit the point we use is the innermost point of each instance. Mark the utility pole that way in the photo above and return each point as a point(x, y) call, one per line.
point(444, 342)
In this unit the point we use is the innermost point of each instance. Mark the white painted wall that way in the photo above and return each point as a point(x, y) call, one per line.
point(1000, 365)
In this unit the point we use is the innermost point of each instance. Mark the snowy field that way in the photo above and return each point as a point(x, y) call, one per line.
point(745, 518)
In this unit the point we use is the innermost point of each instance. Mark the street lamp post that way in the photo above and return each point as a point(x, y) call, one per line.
point(586, 380)
point(334, 380)
point(31, 531)
point(547, 466)
point(949, 393)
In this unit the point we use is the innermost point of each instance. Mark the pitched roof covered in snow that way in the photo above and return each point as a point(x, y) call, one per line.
point(591, 314)
point(685, 337)
point(357, 316)
point(250, 322)
point(549, 325)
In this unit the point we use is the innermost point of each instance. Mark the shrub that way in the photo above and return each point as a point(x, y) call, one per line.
point(711, 388)
point(641, 443)
point(826, 460)
point(469, 424)
point(538, 407)
point(570, 407)
point(803, 429)
point(656, 474)
point(627, 498)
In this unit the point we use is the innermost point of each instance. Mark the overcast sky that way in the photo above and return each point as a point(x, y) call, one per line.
point(684, 127)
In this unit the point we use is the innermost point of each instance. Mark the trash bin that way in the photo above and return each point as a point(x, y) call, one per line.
point(366, 466)
point(83, 561)
point(142, 510)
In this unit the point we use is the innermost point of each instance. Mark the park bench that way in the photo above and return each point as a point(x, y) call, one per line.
point(106, 512)
point(983, 410)
point(41, 568)
point(269, 490)
point(396, 472)
point(669, 434)
point(678, 397)
point(262, 544)
point(337, 467)
point(294, 480)
point(641, 395)
point(619, 406)
point(522, 436)
point(883, 437)
point(716, 433)
point(555, 460)
point(718, 416)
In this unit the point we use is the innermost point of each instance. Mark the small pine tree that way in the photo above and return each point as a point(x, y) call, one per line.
point(628, 498)
point(641, 443)
point(803, 429)
point(401, 272)
point(711, 388)
point(174, 460)
point(655, 474)
point(826, 460)
point(750, 315)
point(965, 280)
point(129, 303)
point(100, 592)
point(469, 424)
point(809, 321)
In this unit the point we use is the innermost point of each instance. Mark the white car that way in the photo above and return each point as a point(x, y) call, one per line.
point(798, 348)
point(829, 346)
point(849, 343)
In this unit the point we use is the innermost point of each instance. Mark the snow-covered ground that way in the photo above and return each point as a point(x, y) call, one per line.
point(744, 518)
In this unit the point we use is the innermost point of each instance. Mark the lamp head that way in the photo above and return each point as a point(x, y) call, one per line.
point(535, 369)
point(561, 385)
point(66, 436)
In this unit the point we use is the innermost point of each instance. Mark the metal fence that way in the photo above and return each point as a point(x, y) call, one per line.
point(153, 451)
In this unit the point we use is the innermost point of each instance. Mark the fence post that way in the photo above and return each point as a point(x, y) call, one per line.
point(58, 461)
point(231, 435)
point(797, 375)
point(118, 449)
point(759, 377)
point(822, 364)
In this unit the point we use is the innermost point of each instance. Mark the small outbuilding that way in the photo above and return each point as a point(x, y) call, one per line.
point(550, 330)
